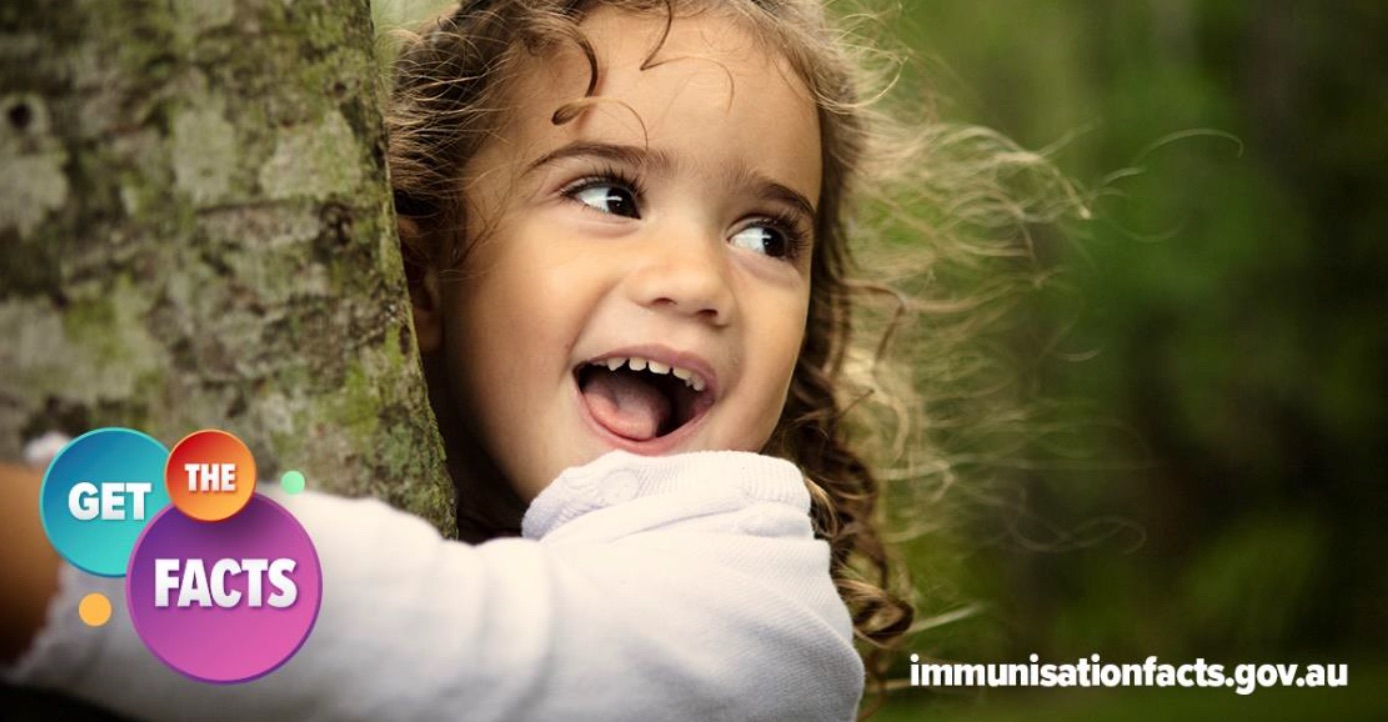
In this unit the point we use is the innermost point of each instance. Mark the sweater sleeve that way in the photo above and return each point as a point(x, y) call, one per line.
point(645, 588)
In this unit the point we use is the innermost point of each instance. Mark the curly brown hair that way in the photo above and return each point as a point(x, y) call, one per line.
point(846, 407)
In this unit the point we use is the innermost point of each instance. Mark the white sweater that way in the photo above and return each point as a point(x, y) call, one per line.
point(670, 588)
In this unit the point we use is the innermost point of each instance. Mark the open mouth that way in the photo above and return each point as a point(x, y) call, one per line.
point(639, 399)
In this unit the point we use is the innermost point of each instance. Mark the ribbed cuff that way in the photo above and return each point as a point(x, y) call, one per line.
point(620, 476)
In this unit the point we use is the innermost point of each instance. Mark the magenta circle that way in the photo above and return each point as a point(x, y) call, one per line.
point(210, 643)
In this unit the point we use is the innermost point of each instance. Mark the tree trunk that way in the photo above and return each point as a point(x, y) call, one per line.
point(196, 231)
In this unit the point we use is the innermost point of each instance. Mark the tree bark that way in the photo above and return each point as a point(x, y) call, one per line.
point(196, 231)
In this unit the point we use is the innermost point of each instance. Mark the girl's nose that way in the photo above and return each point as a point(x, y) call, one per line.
point(684, 271)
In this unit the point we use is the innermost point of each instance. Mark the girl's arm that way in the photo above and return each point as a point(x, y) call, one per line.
point(29, 572)
point(687, 587)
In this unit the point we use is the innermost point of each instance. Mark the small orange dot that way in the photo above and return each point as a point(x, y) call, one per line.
point(95, 609)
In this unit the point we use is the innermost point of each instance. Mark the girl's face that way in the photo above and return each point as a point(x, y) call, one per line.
point(639, 276)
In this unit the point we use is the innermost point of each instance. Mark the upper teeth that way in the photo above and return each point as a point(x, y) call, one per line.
point(690, 378)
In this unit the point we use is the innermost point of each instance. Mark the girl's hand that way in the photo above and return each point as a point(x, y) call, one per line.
point(28, 564)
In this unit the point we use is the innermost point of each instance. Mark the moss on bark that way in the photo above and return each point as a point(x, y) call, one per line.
point(195, 231)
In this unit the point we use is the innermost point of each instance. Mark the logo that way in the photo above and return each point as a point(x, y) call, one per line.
point(222, 583)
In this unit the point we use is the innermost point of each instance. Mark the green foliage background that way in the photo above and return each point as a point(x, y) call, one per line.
point(1221, 369)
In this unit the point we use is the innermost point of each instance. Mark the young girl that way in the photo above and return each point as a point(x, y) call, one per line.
point(626, 230)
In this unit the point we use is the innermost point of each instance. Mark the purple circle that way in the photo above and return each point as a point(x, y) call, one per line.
point(210, 638)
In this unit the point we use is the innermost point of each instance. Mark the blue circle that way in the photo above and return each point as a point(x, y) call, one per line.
point(93, 476)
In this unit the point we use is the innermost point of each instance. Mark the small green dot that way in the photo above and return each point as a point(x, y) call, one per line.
point(292, 481)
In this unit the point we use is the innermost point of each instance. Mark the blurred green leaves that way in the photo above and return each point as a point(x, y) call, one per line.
point(1223, 339)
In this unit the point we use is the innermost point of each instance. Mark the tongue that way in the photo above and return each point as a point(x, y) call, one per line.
point(626, 405)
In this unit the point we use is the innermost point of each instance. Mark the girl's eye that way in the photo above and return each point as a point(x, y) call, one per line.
point(766, 240)
point(607, 197)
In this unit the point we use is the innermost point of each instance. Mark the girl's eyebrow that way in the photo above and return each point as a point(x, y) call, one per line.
point(626, 154)
point(658, 160)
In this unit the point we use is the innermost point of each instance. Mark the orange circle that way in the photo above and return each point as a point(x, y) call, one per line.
point(210, 475)
point(94, 609)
